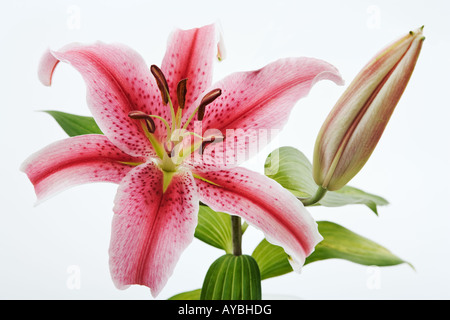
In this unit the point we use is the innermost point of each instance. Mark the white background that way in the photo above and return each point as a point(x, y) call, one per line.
point(41, 247)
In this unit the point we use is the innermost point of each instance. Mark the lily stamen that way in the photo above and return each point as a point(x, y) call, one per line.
point(163, 121)
point(149, 127)
point(161, 82)
point(207, 99)
point(181, 93)
point(139, 115)
point(168, 147)
point(205, 143)
point(200, 110)
point(181, 96)
point(165, 94)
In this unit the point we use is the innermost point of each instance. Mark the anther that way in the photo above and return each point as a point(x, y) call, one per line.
point(168, 147)
point(136, 114)
point(206, 143)
point(207, 99)
point(181, 93)
point(161, 82)
point(139, 115)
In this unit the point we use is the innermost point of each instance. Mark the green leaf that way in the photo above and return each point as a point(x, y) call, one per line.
point(271, 259)
point(232, 278)
point(214, 228)
point(338, 243)
point(188, 295)
point(75, 125)
point(341, 243)
point(290, 168)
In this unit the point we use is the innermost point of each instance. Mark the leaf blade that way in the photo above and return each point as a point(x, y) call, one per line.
point(75, 125)
point(214, 228)
point(271, 259)
point(338, 243)
point(341, 243)
point(291, 168)
point(188, 295)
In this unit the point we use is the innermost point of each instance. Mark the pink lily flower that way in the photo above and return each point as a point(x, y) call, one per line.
point(164, 161)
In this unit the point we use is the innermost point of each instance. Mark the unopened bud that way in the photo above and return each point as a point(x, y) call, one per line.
point(353, 128)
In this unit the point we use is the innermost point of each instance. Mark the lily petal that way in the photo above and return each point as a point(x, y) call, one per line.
point(263, 203)
point(255, 105)
point(150, 228)
point(190, 54)
point(74, 161)
point(118, 81)
point(47, 65)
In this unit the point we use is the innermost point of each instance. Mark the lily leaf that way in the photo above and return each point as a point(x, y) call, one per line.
point(290, 168)
point(271, 259)
point(214, 228)
point(232, 278)
point(342, 243)
point(338, 243)
point(188, 295)
point(75, 125)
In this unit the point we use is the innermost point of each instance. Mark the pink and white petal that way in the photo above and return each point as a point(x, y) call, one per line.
point(47, 65)
point(255, 105)
point(74, 161)
point(118, 81)
point(266, 205)
point(151, 229)
point(190, 54)
point(265, 97)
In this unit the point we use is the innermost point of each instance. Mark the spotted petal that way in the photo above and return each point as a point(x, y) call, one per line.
point(190, 54)
point(150, 228)
point(255, 105)
point(74, 161)
point(118, 81)
point(264, 204)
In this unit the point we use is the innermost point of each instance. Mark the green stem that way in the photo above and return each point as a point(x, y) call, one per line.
point(320, 193)
point(236, 234)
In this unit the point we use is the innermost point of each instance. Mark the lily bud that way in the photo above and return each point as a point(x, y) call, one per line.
point(357, 121)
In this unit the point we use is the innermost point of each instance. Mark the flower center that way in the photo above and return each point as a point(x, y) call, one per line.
point(179, 143)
